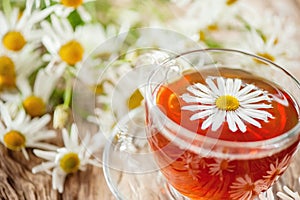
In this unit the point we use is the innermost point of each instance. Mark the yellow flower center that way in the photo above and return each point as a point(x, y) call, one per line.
point(14, 40)
point(213, 27)
point(7, 72)
point(71, 3)
point(70, 162)
point(34, 106)
point(71, 52)
point(231, 2)
point(14, 140)
point(267, 56)
point(202, 36)
point(227, 102)
point(135, 100)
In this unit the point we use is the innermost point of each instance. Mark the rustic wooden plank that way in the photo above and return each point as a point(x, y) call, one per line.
point(18, 183)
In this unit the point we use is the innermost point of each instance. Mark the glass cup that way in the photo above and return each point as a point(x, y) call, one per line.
point(221, 123)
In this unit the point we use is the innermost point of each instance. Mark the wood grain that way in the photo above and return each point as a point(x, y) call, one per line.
point(18, 183)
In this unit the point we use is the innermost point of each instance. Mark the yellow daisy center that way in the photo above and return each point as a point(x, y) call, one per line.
point(7, 72)
point(135, 100)
point(34, 106)
point(231, 2)
point(71, 52)
point(14, 140)
point(227, 102)
point(72, 3)
point(267, 56)
point(202, 36)
point(213, 27)
point(14, 40)
point(70, 162)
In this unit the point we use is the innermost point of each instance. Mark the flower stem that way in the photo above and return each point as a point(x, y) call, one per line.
point(68, 91)
point(6, 7)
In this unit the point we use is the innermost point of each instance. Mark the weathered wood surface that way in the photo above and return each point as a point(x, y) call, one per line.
point(17, 181)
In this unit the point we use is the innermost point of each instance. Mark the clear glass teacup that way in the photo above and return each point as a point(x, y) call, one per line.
point(221, 123)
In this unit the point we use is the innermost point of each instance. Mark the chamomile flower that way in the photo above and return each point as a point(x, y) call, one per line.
point(269, 35)
point(18, 30)
point(34, 101)
point(68, 47)
point(13, 66)
point(227, 99)
point(219, 167)
point(244, 188)
point(65, 7)
point(200, 20)
point(74, 156)
point(288, 194)
point(20, 132)
point(277, 169)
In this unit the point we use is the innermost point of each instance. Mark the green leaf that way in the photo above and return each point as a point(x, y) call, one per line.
point(75, 19)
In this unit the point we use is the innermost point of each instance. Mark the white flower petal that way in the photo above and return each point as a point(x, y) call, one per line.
point(203, 114)
point(44, 166)
point(41, 145)
point(257, 99)
point(25, 153)
point(48, 155)
point(251, 95)
point(245, 90)
point(207, 122)
point(198, 107)
point(255, 106)
point(236, 87)
point(213, 87)
point(74, 135)
point(231, 122)
point(229, 86)
point(192, 99)
point(58, 180)
point(221, 85)
point(66, 138)
point(245, 117)
point(197, 92)
point(203, 88)
point(218, 120)
point(85, 16)
point(239, 122)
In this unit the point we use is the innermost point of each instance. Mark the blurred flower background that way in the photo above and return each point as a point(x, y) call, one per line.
point(48, 45)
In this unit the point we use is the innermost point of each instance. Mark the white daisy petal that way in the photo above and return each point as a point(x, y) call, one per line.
point(207, 122)
point(42, 167)
point(221, 86)
point(197, 107)
point(25, 153)
point(254, 100)
point(197, 92)
point(231, 122)
point(201, 115)
point(48, 155)
point(213, 87)
point(236, 87)
point(250, 95)
point(245, 90)
point(229, 86)
point(192, 99)
point(203, 88)
point(256, 106)
point(245, 117)
point(239, 122)
point(218, 120)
